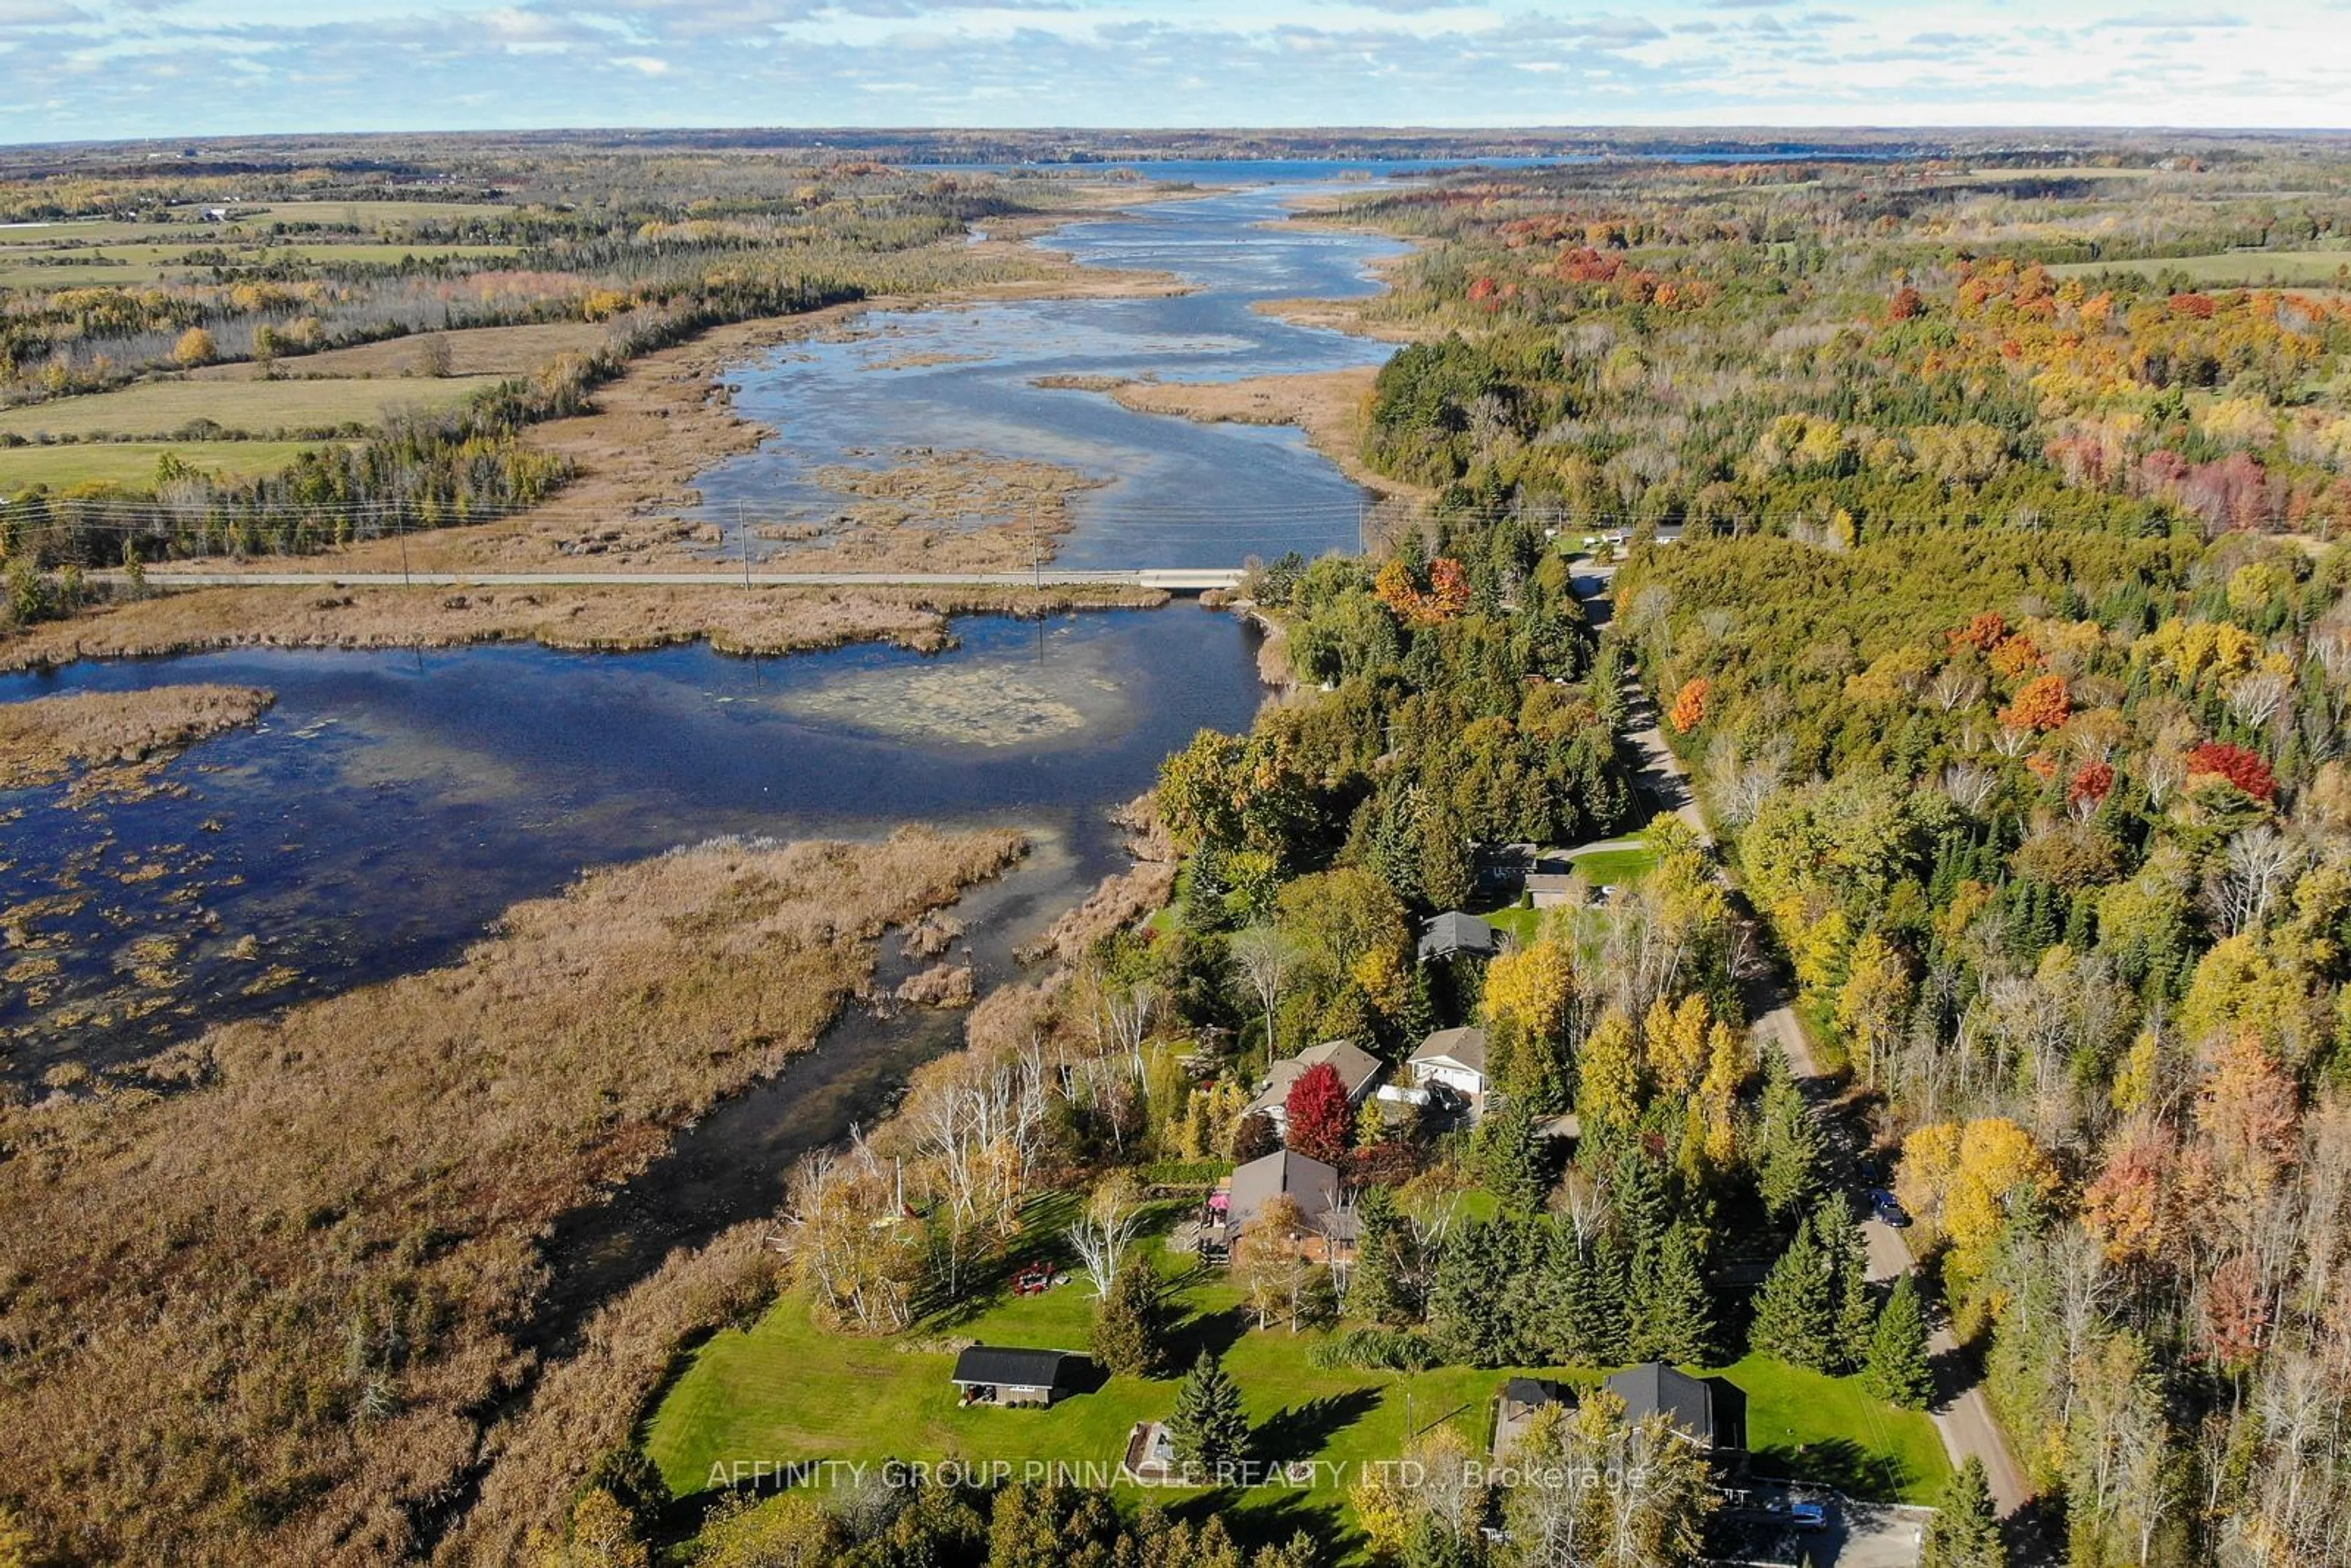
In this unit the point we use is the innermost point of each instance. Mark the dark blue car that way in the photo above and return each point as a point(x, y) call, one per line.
point(1888, 1212)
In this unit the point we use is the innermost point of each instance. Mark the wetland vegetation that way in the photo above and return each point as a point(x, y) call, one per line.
point(1984, 568)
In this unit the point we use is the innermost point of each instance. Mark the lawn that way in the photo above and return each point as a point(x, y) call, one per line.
point(1617, 868)
point(1602, 868)
point(1806, 1426)
point(2247, 268)
point(787, 1390)
point(252, 407)
point(1518, 924)
point(131, 464)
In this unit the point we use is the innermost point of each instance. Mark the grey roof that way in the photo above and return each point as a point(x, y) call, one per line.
point(1533, 1391)
point(1311, 1183)
point(1006, 1366)
point(1454, 932)
point(1356, 1067)
point(1711, 1409)
point(1465, 1046)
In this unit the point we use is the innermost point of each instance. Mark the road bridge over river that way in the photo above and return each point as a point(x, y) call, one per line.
point(1180, 579)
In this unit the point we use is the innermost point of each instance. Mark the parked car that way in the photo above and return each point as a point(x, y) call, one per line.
point(1808, 1515)
point(1887, 1210)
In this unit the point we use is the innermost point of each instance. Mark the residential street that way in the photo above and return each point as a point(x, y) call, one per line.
point(1962, 1416)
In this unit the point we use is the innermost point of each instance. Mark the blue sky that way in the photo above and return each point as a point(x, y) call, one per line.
point(72, 69)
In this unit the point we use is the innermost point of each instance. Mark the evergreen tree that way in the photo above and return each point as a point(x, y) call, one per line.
point(1643, 1195)
point(1789, 1166)
point(1513, 1159)
point(1673, 1316)
point(1793, 1311)
point(1899, 1368)
point(1854, 1308)
point(1377, 1290)
point(1466, 1311)
point(1577, 1311)
point(1208, 1427)
point(1856, 1305)
point(1606, 1322)
point(1131, 1323)
point(1965, 1531)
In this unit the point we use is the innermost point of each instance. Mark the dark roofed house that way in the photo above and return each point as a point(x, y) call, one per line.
point(1522, 1398)
point(1712, 1411)
point(1454, 934)
point(1004, 1375)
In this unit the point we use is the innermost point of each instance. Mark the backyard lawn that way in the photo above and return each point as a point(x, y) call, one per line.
point(1620, 865)
point(786, 1390)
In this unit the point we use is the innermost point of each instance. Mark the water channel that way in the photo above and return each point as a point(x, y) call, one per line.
point(391, 804)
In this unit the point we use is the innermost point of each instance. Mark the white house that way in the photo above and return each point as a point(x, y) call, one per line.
point(1455, 1058)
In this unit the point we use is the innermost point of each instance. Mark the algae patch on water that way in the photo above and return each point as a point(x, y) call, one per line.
point(992, 704)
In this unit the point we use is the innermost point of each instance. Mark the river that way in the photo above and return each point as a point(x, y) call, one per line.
point(1172, 493)
point(394, 803)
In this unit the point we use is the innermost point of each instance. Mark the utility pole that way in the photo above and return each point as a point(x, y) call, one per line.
point(743, 538)
point(1363, 544)
point(400, 527)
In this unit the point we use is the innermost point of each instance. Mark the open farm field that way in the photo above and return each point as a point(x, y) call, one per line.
point(2234, 268)
point(251, 407)
point(473, 351)
point(131, 464)
point(51, 266)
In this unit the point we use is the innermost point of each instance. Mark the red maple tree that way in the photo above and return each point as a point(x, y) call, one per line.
point(2094, 781)
point(1321, 1123)
point(2240, 766)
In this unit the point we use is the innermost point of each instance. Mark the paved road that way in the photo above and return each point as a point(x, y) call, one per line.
point(1173, 580)
point(1962, 1416)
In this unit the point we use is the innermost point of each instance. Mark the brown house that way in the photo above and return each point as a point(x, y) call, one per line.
point(1302, 1192)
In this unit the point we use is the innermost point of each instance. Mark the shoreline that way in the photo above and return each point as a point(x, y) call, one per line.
point(764, 621)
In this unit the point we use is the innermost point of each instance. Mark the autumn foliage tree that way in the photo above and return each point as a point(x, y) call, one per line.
point(1320, 1120)
point(1446, 595)
point(1690, 704)
point(2042, 704)
point(2243, 768)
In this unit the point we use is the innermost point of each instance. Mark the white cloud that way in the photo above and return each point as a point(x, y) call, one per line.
point(430, 64)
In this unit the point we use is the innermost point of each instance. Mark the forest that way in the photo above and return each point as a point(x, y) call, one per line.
point(1998, 613)
point(1972, 523)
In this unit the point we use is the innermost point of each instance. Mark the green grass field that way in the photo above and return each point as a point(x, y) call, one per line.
point(26, 266)
point(2241, 268)
point(370, 215)
point(786, 1390)
point(131, 464)
point(188, 227)
point(250, 407)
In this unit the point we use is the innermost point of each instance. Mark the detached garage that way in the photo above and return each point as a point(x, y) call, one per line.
point(998, 1375)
